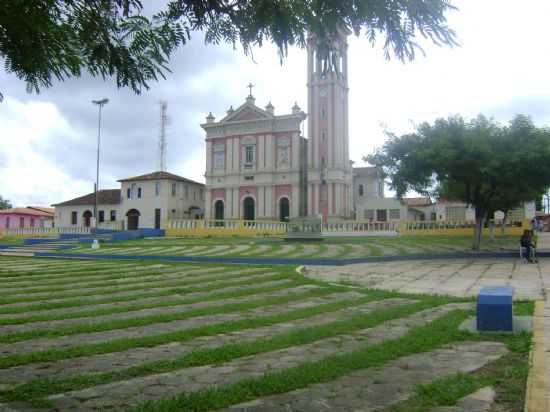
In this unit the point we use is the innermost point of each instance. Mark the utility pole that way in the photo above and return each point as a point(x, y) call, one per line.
point(100, 104)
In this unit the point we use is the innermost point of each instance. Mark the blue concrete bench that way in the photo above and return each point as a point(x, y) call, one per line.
point(494, 309)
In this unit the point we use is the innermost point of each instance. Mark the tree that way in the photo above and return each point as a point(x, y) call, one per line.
point(5, 203)
point(482, 163)
point(44, 40)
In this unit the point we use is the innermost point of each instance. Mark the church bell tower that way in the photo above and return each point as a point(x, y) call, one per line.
point(329, 167)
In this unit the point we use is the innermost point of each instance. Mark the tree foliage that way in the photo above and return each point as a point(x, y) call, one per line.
point(482, 163)
point(5, 203)
point(46, 40)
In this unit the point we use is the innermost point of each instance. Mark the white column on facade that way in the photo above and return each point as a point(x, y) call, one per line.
point(260, 162)
point(339, 129)
point(208, 157)
point(271, 146)
point(295, 149)
point(235, 152)
point(309, 201)
point(295, 201)
point(314, 140)
point(235, 213)
point(269, 200)
point(260, 212)
point(228, 155)
point(208, 204)
point(316, 210)
point(330, 194)
point(338, 194)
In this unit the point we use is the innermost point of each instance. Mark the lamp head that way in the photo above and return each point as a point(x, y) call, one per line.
point(101, 102)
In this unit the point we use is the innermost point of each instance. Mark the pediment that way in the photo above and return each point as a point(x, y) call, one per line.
point(246, 112)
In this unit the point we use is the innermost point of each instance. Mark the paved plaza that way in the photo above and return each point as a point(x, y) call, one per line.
point(459, 277)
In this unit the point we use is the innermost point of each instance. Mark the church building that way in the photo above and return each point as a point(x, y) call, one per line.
point(255, 164)
point(258, 164)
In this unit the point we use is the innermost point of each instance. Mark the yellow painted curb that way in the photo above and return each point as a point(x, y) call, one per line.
point(535, 400)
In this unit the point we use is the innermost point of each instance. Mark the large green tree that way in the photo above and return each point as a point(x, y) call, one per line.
point(45, 40)
point(4, 203)
point(480, 162)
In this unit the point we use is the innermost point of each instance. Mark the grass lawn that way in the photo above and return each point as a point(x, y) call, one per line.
point(10, 241)
point(330, 248)
point(150, 336)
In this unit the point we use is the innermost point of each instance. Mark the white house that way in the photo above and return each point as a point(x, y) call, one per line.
point(141, 202)
point(149, 199)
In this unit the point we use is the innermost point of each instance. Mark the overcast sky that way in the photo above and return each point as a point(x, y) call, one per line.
point(48, 141)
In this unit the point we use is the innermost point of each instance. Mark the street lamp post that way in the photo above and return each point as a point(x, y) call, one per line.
point(100, 104)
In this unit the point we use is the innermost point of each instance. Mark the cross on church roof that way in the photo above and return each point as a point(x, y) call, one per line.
point(250, 86)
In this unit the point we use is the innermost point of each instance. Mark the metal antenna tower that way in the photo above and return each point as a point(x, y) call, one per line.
point(162, 136)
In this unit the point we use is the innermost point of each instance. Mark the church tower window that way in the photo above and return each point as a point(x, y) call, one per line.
point(361, 190)
point(249, 155)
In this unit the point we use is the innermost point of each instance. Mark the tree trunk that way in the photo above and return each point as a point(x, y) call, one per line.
point(478, 230)
point(492, 229)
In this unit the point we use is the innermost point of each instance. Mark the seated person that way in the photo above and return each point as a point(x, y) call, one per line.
point(528, 242)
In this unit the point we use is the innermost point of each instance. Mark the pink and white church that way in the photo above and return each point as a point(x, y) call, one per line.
point(260, 167)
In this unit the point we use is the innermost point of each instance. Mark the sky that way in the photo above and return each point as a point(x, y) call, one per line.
point(48, 141)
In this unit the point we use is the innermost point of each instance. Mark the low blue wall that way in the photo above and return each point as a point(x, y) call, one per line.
point(152, 232)
point(64, 236)
point(105, 231)
point(38, 240)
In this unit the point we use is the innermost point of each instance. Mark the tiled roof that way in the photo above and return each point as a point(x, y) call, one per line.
point(417, 201)
point(160, 176)
point(26, 211)
point(50, 210)
point(105, 197)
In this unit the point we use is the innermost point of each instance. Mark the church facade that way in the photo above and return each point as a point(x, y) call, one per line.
point(255, 164)
point(258, 164)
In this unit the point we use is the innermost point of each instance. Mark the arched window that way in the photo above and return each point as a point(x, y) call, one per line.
point(361, 190)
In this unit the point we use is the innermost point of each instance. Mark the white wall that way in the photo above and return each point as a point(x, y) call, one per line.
point(63, 214)
point(171, 206)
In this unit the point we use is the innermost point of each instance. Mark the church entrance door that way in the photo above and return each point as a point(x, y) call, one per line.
point(248, 209)
point(133, 219)
point(218, 210)
point(284, 209)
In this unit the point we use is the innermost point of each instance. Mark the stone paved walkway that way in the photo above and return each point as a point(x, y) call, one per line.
point(123, 394)
point(154, 328)
point(375, 389)
point(128, 358)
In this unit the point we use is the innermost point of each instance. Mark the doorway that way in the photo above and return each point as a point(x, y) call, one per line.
point(133, 219)
point(87, 216)
point(157, 218)
point(249, 211)
point(284, 209)
point(218, 210)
